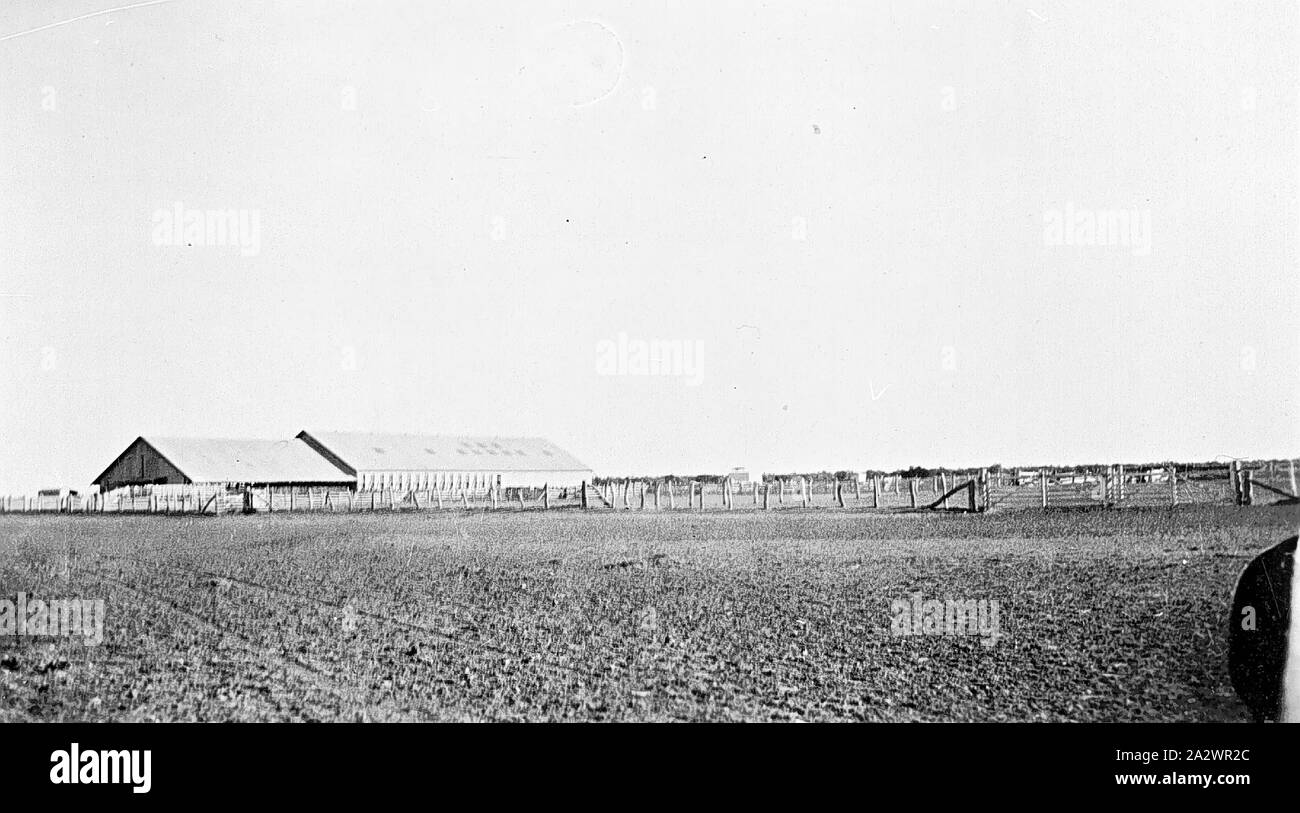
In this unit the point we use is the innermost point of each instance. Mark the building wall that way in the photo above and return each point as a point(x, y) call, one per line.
point(140, 465)
point(465, 480)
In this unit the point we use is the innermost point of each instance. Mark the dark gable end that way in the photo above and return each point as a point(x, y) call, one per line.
point(136, 448)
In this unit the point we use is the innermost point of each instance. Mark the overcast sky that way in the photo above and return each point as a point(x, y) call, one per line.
point(863, 228)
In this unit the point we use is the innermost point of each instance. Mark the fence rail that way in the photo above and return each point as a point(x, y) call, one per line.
point(1244, 484)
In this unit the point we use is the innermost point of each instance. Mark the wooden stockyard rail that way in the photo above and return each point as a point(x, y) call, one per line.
point(1236, 483)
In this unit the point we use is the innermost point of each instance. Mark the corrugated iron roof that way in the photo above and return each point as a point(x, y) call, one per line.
point(227, 460)
point(365, 451)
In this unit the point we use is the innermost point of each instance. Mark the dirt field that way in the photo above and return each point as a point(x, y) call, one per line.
point(1102, 616)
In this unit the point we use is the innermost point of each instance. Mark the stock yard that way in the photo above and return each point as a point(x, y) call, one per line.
point(1103, 615)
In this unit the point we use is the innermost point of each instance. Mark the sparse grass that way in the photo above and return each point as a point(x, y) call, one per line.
point(630, 616)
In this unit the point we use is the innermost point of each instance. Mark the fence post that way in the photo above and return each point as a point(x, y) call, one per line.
point(1248, 487)
point(1173, 484)
point(582, 498)
point(943, 485)
point(1042, 485)
point(803, 490)
point(875, 491)
point(780, 497)
point(546, 497)
point(839, 493)
point(970, 494)
point(767, 493)
point(754, 488)
point(911, 487)
point(1291, 465)
point(658, 488)
point(857, 488)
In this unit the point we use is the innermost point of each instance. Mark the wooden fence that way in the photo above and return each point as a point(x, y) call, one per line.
point(1251, 483)
point(1237, 483)
point(286, 499)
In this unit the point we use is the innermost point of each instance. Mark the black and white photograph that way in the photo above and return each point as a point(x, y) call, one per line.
point(655, 361)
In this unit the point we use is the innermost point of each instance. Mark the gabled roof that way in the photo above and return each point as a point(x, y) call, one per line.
point(228, 460)
point(364, 451)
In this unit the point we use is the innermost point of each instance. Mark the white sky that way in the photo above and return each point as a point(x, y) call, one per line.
point(459, 202)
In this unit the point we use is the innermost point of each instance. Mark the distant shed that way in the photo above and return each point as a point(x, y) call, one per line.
point(217, 461)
